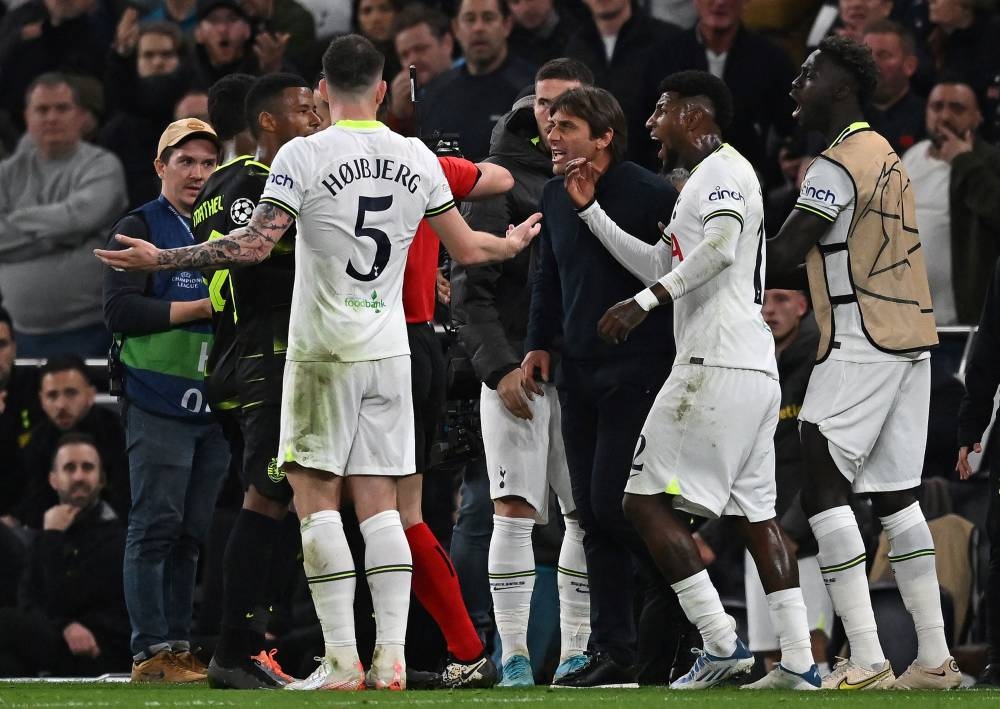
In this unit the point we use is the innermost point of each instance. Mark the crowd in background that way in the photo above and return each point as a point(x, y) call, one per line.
point(88, 86)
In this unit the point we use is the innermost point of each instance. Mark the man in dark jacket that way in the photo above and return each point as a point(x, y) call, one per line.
point(632, 70)
point(67, 398)
point(71, 619)
point(490, 304)
point(605, 391)
point(19, 413)
point(982, 378)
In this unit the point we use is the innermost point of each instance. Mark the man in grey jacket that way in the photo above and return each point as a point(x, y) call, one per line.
point(58, 197)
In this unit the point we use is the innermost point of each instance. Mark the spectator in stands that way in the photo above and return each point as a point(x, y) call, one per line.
point(722, 45)
point(143, 82)
point(20, 411)
point(956, 181)
point(423, 39)
point(847, 18)
point(42, 36)
point(57, 197)
point(276, 18)
point(469, 99)
point(963, 42)
point(178, 456)
point(628, 52)
point(193, 104)
point(224, 44)
point(71, 617)
point(374, 19)
point(540, 31)
point(675, 12)
point(982, 377)
point(894, 111)
point(67, 398)
point(182, 13)
point(226, 115)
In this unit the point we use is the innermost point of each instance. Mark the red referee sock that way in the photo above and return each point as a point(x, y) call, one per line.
point(436, 587)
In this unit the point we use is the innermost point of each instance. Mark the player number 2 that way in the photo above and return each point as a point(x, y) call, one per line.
point(383, 246)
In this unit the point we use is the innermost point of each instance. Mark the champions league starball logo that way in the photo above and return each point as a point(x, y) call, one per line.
point(241, 211)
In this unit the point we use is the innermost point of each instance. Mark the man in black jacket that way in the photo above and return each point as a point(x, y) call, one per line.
point(982, 377)
point(605, 391)
point(71, 619)
point(633, 66)
point(490, 304)
point(19, 413)
point(67, 398)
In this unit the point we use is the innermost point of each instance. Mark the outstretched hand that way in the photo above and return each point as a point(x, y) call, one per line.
point(620, 319)
point(138, 255)
point(580, 181)
point(521, 235)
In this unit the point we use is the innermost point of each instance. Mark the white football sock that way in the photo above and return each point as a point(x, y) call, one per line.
point(574, 592)
point(330, 573)
point(842, 563)
point(703, 607)
point(911, 552)
point(389, 568)
point(511, 567)
point(788, 616)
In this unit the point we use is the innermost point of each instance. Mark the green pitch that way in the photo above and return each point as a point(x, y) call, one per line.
point(80, 696)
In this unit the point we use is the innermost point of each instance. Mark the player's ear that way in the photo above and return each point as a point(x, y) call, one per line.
point(266, 121)
point(380, 92)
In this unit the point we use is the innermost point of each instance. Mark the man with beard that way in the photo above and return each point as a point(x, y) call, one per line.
point(707, 445)
point(604, 391)
point(864, 417)
point(245, 366)
point(71, 619)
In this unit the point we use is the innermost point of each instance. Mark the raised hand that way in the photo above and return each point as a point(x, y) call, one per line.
point(521, 235)
point(139, 256)
point(581, 181)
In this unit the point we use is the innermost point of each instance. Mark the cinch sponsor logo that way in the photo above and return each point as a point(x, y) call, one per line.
point(820, 194)
point(361, 303)
point(282, 180)
point(719, 194)
point(206, 209)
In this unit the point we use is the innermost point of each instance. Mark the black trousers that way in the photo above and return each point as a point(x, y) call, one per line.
point(992, 599)
point(30, 642)
point(604, 405)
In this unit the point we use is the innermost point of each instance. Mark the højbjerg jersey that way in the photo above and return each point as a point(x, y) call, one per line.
point(719, 323)
point(358, 192)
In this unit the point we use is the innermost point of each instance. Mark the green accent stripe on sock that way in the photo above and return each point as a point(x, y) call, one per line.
point(911, 555)
point(860, 559)
point(570, 572)
point(513, 575)
point(390, 568)
point(339, 576)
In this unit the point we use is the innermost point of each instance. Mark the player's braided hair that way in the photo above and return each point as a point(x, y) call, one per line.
point(854, 58)
point(691, 83)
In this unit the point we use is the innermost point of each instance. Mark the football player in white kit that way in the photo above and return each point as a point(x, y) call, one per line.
point(864, 418)
point(707, 445)
point(357, 192)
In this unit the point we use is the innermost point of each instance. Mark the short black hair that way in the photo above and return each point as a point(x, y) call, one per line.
point(854, 58)
point(419, 14)
point(691, 83)
point(264, 91)
point(76, 438)
point(5, 318)
point(352, 64)
point(51, 79)
point(64, 363)
point(226, 100)
point(601, 111)
point(565, 69)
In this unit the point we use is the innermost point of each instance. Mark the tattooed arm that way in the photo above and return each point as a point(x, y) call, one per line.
point(247, 245)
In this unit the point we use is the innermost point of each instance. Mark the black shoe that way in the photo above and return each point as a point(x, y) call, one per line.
point(480, 673)
point(990, 678)
point(248, 674)
point(418, 679)
point(600, 671)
